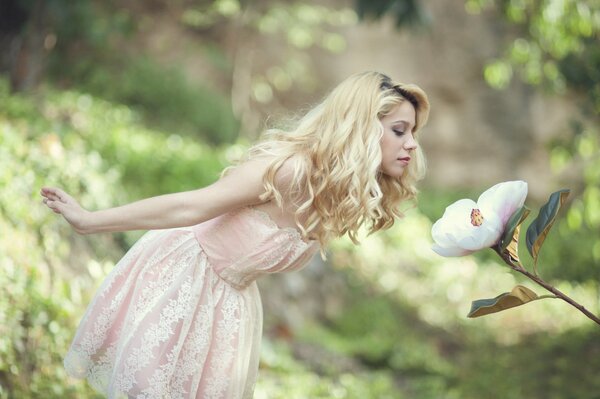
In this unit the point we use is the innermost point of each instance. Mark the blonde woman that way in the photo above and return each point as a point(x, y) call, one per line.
point(180, 315)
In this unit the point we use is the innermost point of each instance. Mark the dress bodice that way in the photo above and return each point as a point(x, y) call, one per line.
point(246, 243)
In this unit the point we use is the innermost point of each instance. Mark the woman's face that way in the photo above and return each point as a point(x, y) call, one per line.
point(397, 142)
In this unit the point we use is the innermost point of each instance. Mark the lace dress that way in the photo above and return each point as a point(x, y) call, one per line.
point(180, 315)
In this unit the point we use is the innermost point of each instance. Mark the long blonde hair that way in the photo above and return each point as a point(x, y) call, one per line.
point(338, 183)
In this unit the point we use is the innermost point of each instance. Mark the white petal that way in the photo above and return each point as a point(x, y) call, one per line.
point(459, 213)
point(456, 218)
point(479, 239)
point(459, 207)
point(443, 238)
point(483, 236)
point(503, 199)
point(449, 251)
point(491, 239)
point(474, 241)
point(494, 228)
point(444, 233)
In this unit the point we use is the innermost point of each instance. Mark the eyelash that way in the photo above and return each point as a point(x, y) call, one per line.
point(398, 132)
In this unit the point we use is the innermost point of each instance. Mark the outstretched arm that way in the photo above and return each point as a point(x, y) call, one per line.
point(241, 187)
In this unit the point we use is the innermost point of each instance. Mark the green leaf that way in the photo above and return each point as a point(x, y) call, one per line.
point(539, 228)
point(519, 295)
point(511, 232)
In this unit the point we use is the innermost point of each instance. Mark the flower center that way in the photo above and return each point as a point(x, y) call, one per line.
point(476, 218)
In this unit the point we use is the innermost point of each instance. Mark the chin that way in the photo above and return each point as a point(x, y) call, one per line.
point(394, 174)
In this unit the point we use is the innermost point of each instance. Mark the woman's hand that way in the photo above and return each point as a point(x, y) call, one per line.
point(65, 205)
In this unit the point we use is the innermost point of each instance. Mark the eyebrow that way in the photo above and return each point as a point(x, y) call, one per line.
point(403, 121)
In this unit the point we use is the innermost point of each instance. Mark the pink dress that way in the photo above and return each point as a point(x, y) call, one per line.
point(180, 315)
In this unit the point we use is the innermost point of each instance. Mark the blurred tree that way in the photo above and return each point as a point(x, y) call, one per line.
point(81, 44)
point(86, 44)
point(556, 46)
point(405, 12)
point(30, 30)
point(21, 36)
point(260, 75)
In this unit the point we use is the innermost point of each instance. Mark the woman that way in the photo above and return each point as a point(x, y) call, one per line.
point(180, 315)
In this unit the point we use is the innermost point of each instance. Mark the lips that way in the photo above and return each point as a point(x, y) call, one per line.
point(404, 159)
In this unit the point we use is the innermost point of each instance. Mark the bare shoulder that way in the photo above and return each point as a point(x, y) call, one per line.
point(253, 167)
point(244, 186)
point(289, 171)
point(239, 187)
point(287, 179)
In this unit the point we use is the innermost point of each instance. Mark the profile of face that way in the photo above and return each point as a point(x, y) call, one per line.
point(398, 142)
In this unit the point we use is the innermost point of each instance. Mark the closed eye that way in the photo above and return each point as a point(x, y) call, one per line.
point(398, 132)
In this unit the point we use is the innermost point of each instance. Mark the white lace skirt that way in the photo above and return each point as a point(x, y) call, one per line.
point(165, 325)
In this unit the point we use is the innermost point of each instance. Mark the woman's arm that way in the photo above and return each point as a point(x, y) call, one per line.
point(241, 187)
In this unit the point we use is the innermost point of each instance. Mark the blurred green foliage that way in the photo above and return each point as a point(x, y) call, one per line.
point(556, 49)
point(86, 21)
point(403, 329)
point(558, 366)
point(400, 316)
point(81, 47)
point(90, 148)
point(573, 252)
point(405, 12)
point(163, 96)
point(556, 44)
point(100, 153)
point(283, 376)
point(402, 343)
point(41, 301)
point(293, 28)
point(388, 336)
point(150, 161)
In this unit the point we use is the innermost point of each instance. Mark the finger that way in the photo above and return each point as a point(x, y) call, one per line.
point(62, 195)
point(54, 205)
point(51, 197)
point(55, 194)
point(48, 192)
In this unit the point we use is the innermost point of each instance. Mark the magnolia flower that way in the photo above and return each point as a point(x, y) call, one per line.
point(467, 226)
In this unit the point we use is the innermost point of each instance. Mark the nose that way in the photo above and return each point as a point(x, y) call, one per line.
point(410, 143)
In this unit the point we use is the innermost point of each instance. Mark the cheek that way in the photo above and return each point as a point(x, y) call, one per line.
point(391, 143)
point(387, 140)
point(383, 143)
point(385, 149)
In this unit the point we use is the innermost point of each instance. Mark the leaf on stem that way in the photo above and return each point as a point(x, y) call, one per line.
point(539, 228)
point(509, 242)
point(519, 295)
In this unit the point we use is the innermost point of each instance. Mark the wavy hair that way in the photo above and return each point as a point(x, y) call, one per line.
point(337, 182)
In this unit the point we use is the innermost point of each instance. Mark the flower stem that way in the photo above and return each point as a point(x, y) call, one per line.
point(547, 296)
point(558, 294)
point(561, 295)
